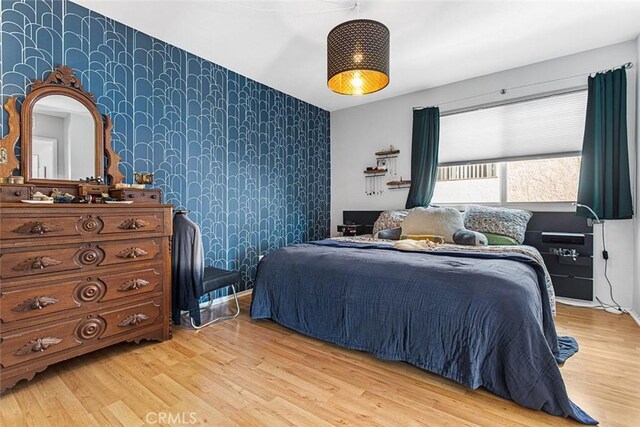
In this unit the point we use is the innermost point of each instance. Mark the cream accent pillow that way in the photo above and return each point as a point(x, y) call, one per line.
point(437, 221)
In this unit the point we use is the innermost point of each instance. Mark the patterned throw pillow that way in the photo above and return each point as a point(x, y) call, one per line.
point(390, 219)
point(436, 221)
point(503, 221)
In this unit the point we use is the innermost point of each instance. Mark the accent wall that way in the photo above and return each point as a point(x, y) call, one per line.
point(252, 164)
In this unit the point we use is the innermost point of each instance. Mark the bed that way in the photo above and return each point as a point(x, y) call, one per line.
point(482, 318)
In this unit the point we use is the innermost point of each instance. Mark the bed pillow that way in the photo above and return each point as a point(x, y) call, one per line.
point(498, 240)
point(426, 237)
point(434, 221)
point(390, 233)
point(389, 219)
point(502, 221)
point(470, 238)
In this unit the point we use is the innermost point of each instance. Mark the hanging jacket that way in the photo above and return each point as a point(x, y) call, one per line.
point(187, 269)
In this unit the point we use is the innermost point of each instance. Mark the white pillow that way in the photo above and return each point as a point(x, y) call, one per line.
point(436, 221)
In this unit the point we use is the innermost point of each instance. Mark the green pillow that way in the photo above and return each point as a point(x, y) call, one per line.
point(499, 240)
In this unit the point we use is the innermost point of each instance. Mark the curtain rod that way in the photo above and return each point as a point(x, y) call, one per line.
point(505, 90)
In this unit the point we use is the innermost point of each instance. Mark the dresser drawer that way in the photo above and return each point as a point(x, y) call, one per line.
point(40, 342)
point(138, 195)
point(76, 293)
point(131, 223)
point(25, 346)
point(38, 227)
point(76, 257)
point(86, 226)
point(12, 193)
point(124, 320)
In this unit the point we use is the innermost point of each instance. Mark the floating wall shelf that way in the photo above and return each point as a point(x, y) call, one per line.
point(388, 153)
point(397, 185)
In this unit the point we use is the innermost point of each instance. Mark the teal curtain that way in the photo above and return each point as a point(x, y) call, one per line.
point(605, 184)
point(424, 156)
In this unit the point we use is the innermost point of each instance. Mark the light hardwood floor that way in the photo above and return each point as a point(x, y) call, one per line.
point(257, 372)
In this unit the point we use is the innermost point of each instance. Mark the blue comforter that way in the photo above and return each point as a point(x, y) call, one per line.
point(482, 320)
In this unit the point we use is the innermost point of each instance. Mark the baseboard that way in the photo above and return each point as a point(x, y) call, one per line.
point(226, 298)
point(576, 302)
point(589, 304)
point(635, 316)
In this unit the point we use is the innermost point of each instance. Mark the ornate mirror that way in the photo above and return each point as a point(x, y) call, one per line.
point(63, 137)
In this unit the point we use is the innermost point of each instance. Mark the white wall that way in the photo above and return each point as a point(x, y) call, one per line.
point(356, 133)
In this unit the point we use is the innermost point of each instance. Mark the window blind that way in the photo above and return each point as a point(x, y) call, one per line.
point(543, 126)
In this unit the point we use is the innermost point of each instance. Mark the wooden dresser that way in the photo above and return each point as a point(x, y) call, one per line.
point(76, 278)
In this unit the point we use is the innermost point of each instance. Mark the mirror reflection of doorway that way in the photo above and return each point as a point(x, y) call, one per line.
point(45, 157)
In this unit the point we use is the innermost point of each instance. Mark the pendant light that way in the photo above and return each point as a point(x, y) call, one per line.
point(358, 57)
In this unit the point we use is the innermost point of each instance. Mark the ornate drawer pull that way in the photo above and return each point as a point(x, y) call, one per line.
point(37, 228)
point(133, 224)
point(40, 344)
point(133, 320)
point(132, 252)
point(37, 263)
point(18, 193)
point(36, 303)
point(132, 285)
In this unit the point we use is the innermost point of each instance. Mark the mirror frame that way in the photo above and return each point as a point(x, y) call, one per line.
point(62, 81)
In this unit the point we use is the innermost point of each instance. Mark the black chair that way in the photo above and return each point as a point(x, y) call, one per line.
point(214, 279)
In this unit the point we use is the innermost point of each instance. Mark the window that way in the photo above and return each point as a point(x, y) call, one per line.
point(470, 183)
point(522, 152)
point(543, 180)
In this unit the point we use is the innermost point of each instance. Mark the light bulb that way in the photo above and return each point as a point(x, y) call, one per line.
point(357, 81)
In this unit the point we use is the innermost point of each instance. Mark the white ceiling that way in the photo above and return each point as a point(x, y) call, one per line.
point(283, 43)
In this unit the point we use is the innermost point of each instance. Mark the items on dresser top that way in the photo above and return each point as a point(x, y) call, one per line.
point(86, 193)
point(142, 178)
point(15, 180)
point(122, 185)
point(76, 278)
point(39, 197)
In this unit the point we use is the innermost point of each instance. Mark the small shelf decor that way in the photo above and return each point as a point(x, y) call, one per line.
point(388, 158)
point(400, 184)
point(392, 152)
point(386, 169)
point(373, 178)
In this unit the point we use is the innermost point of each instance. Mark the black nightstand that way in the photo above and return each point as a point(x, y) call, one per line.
point(351, 229)
point(565, 241)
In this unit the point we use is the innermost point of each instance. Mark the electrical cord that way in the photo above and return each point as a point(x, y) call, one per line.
point(605, 255)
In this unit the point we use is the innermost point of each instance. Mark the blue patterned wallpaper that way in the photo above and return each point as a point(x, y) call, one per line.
point(250, 162)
